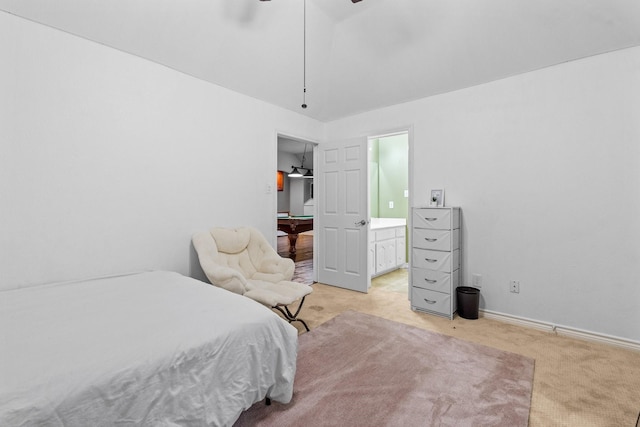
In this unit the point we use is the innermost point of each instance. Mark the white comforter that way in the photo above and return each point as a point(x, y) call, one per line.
point(153, 349)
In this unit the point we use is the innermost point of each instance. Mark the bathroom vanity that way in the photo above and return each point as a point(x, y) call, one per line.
point(387, 245)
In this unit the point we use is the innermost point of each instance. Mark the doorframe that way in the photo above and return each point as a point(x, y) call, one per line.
point(408, 129)
point(314, 143)
point(397, 131)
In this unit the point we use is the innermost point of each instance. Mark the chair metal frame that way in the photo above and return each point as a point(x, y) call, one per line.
point(292, 317)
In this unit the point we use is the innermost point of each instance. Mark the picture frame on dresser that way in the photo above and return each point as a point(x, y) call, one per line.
point(437, 198)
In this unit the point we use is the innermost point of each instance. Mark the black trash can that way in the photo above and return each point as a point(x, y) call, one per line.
point(468, 301)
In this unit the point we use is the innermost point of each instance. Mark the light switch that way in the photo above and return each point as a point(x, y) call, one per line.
point(390, 205)
point(406, 193)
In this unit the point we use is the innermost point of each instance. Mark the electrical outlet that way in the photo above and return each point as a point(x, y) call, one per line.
point(476, 280)
point(514, 286)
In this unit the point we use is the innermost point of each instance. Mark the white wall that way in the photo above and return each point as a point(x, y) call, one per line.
point(546, 167)
point(108, 162)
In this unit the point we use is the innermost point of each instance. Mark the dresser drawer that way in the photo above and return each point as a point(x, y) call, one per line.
point(435, 260)
point(439, 240)
point(440, 219)
point(434, 280)
point(425, 299)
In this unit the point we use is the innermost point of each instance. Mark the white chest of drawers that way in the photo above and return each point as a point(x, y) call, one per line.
point(435, 260)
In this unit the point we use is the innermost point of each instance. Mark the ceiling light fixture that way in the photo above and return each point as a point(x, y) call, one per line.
point(295, 172)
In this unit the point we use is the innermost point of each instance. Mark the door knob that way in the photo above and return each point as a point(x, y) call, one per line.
point(361, 223)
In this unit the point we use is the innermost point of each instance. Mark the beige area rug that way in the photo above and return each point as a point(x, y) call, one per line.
point(362, 370)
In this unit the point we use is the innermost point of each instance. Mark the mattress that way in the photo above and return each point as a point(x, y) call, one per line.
point(153, 348)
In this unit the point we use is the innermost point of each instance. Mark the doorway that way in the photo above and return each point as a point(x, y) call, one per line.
point(387, 167)
point(296, 205)
point(389, 200)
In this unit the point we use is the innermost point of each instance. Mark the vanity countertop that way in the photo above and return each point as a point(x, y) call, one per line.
point(378, 223)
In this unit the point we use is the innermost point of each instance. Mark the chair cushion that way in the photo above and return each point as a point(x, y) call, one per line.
point(239, 261)
point(242, 261)
point(268, 277)
point(272, 294)
point(231, 240)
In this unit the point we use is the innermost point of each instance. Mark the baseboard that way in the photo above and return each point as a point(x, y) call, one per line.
point(515, 320)
point(562, 330)
point(601, 338)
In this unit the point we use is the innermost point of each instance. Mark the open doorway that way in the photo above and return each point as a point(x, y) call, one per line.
point(296, 206)
point(389, 207)
point(389, 198)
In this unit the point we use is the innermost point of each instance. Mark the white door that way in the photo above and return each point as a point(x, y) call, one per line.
point(343, 215)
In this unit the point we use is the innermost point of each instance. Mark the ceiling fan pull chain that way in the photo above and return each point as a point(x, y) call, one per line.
point(304, 51)
point(304, 55)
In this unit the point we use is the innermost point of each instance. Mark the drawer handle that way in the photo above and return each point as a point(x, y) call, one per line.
point(430, 240)
point(430, 260)
point(428, 301)
point(429, 280)
point(431, 219)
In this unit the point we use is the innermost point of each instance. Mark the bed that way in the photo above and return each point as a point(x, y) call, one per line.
point(153, 348)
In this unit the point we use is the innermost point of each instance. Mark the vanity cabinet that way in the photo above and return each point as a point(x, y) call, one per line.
point(387, 249)
point(435, 260)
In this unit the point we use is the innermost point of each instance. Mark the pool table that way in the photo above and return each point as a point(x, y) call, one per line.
point(293, 225)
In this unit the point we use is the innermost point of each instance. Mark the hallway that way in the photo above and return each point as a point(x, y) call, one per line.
point(303, 256)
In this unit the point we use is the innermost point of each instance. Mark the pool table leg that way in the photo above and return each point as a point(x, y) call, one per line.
point(293, 238)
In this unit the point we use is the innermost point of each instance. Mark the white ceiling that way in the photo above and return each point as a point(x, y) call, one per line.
point(359, 56)
point(293, 146)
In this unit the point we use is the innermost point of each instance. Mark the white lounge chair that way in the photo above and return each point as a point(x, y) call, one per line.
point(241, 260)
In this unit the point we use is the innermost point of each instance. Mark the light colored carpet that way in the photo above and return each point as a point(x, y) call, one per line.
point(362, 370)
point(576, 383)
point(395, 281)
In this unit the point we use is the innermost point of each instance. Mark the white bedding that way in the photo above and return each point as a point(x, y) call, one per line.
point(153, 348)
